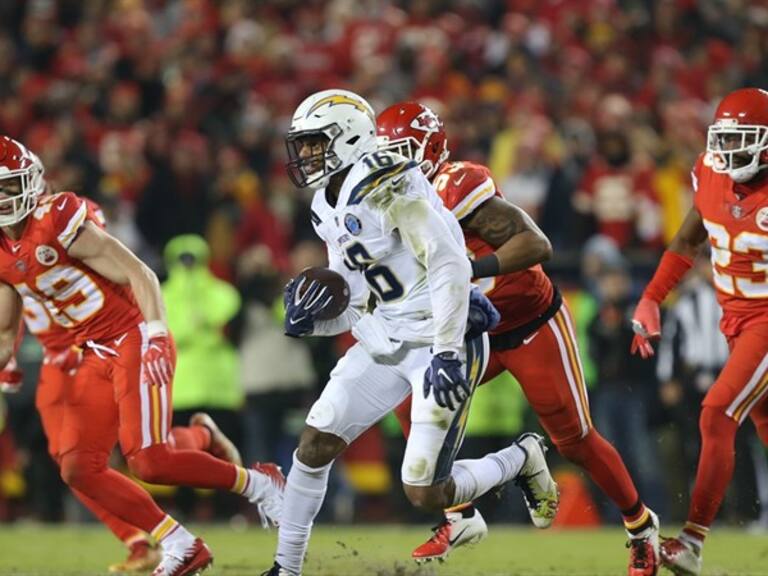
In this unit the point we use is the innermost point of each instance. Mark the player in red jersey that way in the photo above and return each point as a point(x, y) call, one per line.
point(731, 213)
point(110, 302)
point(535, 340)
point(60, 360)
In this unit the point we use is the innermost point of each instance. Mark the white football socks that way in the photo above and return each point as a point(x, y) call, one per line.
point(304, 493)
point(173, 536)
point(473, 478)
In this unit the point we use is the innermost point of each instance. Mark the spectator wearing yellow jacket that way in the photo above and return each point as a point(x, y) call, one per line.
point(199, 306)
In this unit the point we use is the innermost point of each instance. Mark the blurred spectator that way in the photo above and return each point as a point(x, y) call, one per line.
point(620, 198)
point(275, 371)
point(199, 306)
point(599, 253)
point(527, 185)
point(178, 196)
point(578, 147)
point(625, 384)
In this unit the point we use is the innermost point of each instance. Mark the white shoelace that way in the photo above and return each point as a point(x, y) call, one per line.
point(100, 350)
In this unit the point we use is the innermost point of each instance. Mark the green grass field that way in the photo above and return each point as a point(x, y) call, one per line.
point(69, 551)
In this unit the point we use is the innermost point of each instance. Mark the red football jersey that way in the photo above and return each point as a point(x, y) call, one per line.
point(520, 296)
point(736, 218)
point(50, 334)
point(58, 290)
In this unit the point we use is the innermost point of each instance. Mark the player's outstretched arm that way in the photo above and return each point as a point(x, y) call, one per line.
point(109, 257)
point(518, 241)
point(10, 321)
point(674, 264)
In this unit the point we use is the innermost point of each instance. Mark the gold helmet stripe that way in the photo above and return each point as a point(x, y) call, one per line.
point(335, 99)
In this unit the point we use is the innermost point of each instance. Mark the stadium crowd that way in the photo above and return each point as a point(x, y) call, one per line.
point(171, 115)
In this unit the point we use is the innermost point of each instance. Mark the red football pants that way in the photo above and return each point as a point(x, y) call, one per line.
point(548, 368)
point(49, 400)
point(109, 388)
point(739, 391)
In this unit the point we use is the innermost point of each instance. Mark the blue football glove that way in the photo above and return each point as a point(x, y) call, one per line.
point(483, 315)
point(300, 311)
point(445, 377)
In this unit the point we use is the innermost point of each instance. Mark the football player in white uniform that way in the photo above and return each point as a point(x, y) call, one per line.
point(389, 235)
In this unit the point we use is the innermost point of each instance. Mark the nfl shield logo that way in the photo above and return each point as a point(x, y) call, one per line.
point(353, 224)
point(736, 211)
point(20, 266)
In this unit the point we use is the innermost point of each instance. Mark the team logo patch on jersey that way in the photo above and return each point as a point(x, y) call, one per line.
point(761, 218)
point(353, 224)
point(46, 255)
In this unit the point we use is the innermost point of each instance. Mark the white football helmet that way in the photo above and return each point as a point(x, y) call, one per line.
point(17, 161)
point(341, 124)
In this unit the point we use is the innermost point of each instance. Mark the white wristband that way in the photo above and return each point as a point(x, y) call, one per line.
point(156, 328)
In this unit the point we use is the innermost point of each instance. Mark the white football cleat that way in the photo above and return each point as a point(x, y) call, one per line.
point(681, 557)
point(185, 561)
point(454, 531)
point(539, 488)
point(269, 497)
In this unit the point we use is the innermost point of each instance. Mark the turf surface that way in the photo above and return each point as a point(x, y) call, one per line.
point(67, 551)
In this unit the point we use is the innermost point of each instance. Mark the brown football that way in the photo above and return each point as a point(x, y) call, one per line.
point(335, 284)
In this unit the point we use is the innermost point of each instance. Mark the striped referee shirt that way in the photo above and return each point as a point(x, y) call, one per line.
point(691, 340)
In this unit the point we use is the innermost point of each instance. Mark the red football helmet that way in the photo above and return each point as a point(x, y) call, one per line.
point(16, 161)
point(416, 132)
point(738, 139)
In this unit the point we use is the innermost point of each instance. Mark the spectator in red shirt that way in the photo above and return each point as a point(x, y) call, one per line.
point(618, 197)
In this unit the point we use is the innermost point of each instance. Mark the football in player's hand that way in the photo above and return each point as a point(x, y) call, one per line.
point(335, 284)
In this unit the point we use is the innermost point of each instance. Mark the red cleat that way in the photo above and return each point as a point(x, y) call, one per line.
point(191, 560)
point(454, 531)
point(642, 559)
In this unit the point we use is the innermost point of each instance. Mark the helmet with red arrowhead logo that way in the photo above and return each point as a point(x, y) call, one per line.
point(737, 140)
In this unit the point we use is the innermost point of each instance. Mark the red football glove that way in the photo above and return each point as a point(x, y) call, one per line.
point(158, 361)
point(68, 360)
point(646, 322)
point(11, 377)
